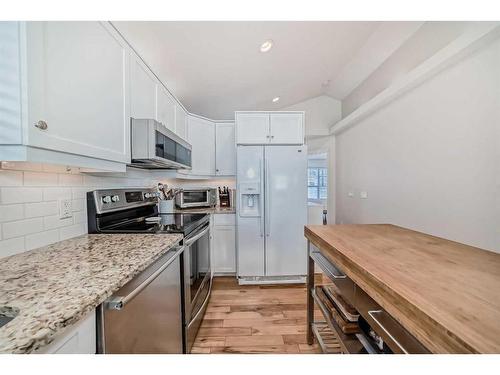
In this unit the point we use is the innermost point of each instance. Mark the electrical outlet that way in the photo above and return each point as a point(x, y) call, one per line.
point(350, 194)
point(363, 195)
point(65, 209)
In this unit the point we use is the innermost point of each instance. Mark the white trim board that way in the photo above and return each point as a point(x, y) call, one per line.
point(471, 40)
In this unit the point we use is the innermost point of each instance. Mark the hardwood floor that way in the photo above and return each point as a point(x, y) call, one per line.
point(254, 319)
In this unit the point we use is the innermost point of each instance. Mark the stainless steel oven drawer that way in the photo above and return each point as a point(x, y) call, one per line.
point(394, 334)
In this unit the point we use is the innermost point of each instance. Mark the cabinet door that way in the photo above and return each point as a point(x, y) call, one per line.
point(78, 84)
point(142, 90)
point(224, 244)
point(180, 121)
point(287, 128)
point(77, 339)
point(165, 108)
point(225, 150)
point(201, 135)
point(252, 128)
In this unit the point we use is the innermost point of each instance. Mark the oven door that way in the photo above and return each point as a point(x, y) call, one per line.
point(197, 281)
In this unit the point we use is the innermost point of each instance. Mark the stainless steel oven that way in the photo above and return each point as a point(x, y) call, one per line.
point(200, 197)
point(197, 280)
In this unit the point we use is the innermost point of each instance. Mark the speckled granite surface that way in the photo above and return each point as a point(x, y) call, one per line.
point(56, 285)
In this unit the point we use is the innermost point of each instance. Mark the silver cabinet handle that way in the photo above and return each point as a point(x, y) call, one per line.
point(117, 303)
point(42, 125)
point(268, 202)
point(373, 314)
point(261, 199)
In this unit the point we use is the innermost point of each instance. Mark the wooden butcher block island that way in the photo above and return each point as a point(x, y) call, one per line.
point(419, 292)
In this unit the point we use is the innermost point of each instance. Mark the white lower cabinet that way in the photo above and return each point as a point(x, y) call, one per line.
point(224, 243)
point(78, 339)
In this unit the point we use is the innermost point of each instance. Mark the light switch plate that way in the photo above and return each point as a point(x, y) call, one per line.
point(363, 195)
point(65, 209)
point(350, 194)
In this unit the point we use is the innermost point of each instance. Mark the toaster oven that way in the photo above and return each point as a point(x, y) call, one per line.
point(199, 197)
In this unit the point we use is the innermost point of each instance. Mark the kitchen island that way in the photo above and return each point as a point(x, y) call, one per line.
point(441, 294)
point(56, 286)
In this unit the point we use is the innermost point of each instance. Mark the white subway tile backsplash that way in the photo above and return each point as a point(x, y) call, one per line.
point(79, 217)
point(51, 222)
point(11, 178)
point(12, 246)
point(56, 193)
point(21, 227)
point(78, 204)
point(11, 195)
point(40, 209)
point(72, 231)
point(40, 179)
point(29, 201)
point(41, 239)
point(70, 180)
point(11, 212)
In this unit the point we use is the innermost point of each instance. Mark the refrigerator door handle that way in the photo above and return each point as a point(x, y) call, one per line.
point(268, 202)
point(261, 200)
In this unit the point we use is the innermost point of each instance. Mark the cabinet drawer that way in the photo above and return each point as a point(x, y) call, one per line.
point(393, 333)
point(345, 285)
point(224, 219)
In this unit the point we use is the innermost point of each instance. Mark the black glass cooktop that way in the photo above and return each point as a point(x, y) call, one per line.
point(161, 223)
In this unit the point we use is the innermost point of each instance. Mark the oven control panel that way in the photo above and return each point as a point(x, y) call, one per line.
point(114, 199)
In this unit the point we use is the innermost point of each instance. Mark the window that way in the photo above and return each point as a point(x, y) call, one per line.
point(317, 185)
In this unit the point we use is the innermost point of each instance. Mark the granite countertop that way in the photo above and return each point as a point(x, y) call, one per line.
point(55, 286)
point(208, 210)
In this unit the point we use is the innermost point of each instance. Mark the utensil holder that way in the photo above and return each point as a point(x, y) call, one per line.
point(166, 206)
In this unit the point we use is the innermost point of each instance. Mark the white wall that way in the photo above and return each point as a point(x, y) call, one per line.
point(321, 112)
point(429, 39)
point(430, 160)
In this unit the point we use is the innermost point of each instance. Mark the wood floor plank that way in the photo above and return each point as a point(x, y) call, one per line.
point(254, 340)
point(208, 342)
point(212, 323)
point(262, 322)
point(273, 349)
point(279, 330)
point(255, 319)
point(211, 331)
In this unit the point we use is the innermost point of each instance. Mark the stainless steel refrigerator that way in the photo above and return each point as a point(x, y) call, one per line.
point(271, 213)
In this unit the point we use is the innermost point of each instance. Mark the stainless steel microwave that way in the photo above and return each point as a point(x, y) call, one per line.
point(200, 197)
point(154, 146)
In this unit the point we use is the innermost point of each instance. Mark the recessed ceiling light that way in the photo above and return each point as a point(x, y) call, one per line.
point(266, 46)
point(276, 99)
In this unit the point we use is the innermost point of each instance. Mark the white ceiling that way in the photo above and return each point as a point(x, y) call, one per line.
point(215, 68)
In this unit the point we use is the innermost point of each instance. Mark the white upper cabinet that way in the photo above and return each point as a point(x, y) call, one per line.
point(201, 136)
point(270, 128)
point(180, 121)
point(142, 90)
point(252, 127)
point(165, 107)
point(78, 89)
point(287, 128)
point(225, 149)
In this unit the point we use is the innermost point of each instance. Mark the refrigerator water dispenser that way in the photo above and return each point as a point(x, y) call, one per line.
point(249, 199)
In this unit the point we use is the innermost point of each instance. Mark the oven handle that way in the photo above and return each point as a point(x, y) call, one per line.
point(191, 240)
point(119, 302)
